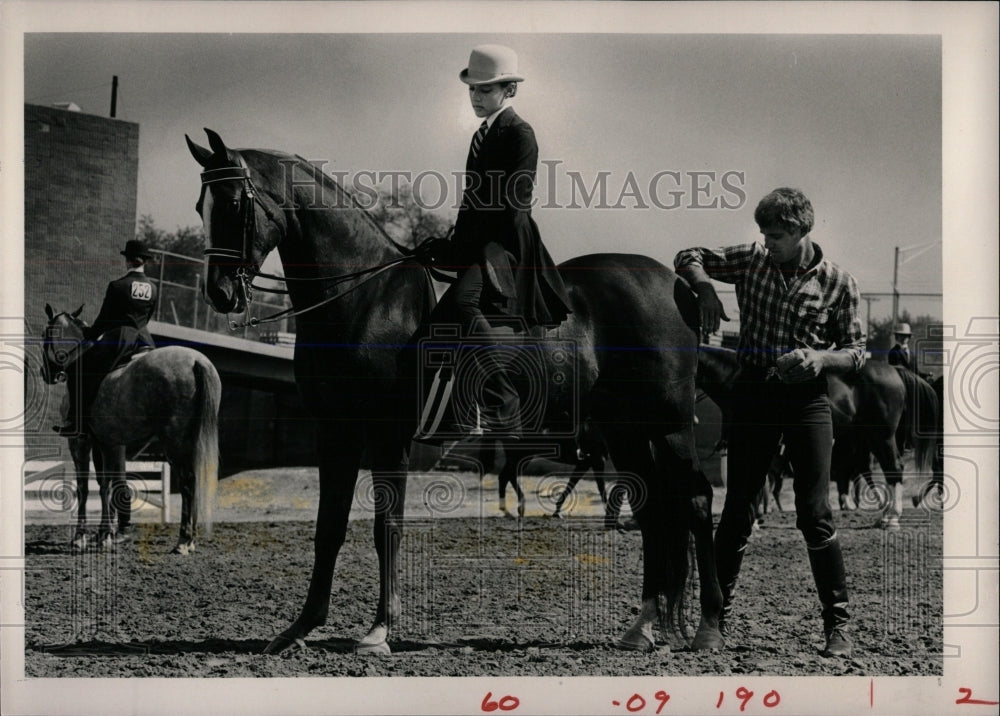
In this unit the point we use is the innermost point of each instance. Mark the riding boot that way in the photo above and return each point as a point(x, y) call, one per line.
point(827, 564)
point(500, 413)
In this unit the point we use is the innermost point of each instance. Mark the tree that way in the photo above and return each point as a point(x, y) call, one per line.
point(400, 214)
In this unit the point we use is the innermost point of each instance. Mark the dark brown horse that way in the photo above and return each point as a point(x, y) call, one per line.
point(874, 412)
point(359, 301)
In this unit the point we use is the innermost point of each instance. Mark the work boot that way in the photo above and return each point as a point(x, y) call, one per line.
point(727, 569)
point(827, 563)
point(837, 643)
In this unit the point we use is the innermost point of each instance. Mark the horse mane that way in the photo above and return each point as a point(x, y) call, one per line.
point(328, 182)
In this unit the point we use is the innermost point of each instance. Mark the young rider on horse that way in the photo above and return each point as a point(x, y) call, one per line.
point(119, 332)
point(798, 320)
point(504, 271)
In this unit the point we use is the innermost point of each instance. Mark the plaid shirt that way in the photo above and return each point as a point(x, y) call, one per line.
point(815, 309)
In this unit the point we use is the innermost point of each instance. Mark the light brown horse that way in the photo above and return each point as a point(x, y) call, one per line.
point(169, 393)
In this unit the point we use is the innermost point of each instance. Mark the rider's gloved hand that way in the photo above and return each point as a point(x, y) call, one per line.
point(433, 251)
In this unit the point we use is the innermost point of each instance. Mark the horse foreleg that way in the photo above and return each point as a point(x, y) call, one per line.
point(390, 493)
point(633, 455)
point(339, 451)
point(892, 468)
point(104, 465)
point(567, 490)
point(185, 540)
point(80, 450)
point(121, 494)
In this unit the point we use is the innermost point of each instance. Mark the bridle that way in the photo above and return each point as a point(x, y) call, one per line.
point(55, 357)
point(247, 268)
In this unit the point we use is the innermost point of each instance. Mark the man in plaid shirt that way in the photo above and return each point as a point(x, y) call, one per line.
point(799, 319)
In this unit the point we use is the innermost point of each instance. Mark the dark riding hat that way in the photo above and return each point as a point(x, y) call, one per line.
point(136, 249)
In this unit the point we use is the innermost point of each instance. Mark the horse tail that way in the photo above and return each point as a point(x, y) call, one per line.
point(920, 418)
point(205, 454)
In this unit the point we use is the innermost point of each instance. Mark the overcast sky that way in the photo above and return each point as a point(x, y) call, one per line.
point(684, 133)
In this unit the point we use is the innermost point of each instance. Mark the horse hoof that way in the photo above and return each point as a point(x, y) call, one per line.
point(889, 524)
point(282, 642)
point(183, 548)
point(105, 541)
point(708, 640)
point(381, 648)
point(559, 515)
point(636, 642)
point(79, 543)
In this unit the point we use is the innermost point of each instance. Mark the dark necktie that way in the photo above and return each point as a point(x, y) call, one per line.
point(477, 139)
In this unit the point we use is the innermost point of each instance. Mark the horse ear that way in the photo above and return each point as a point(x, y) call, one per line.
point(217, 145)
point(49, 312)
point(78, 311)
point(200, 154)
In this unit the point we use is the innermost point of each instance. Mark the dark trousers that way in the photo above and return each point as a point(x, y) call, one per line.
point(492, 353)
point(763, 412)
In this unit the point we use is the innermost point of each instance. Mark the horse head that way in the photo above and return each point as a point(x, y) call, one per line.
point(61, 343)
point(231, 208)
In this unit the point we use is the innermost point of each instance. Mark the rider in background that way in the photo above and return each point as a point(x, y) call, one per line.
point(119, 332)
point(504, 271)
point(901, 354)
point(798, 321)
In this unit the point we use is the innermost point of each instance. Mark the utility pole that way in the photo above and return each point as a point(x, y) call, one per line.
point(868, 319)
point(114, 100)
point(895, 288)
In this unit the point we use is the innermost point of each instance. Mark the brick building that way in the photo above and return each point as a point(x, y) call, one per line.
point(80, 178)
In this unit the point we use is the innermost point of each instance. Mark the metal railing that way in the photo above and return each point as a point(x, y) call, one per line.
point(181, 279)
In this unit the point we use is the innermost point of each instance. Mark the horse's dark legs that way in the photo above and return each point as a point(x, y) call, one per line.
point(339, 449)
point(633, 457)
point(579, 469)
point(508, 476)
point(691, 506)
point(389, 482)
point(79, 448)
point(185, 540)
point(892, 467)
point(121, 495)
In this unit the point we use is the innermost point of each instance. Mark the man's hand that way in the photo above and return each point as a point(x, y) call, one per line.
point(800, 365)
point(710, 307)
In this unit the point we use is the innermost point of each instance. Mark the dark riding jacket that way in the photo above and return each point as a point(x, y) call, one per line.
point(495, 229)
point(129, 302)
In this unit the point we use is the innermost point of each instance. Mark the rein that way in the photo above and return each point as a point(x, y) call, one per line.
point(247, 269)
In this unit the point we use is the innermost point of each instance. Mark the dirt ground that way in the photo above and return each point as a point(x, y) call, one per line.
point(482, 595)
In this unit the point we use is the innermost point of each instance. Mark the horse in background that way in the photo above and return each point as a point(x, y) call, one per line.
point(874, 411)
point(360, 301)
point(170, 393)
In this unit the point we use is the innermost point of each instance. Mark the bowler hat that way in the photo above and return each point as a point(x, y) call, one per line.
point(903, 329)
point(489, 64)
point(136, 249)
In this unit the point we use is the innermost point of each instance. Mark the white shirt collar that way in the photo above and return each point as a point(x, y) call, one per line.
point(492, 117)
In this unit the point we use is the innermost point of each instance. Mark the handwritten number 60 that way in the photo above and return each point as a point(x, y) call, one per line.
point(505, 703)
